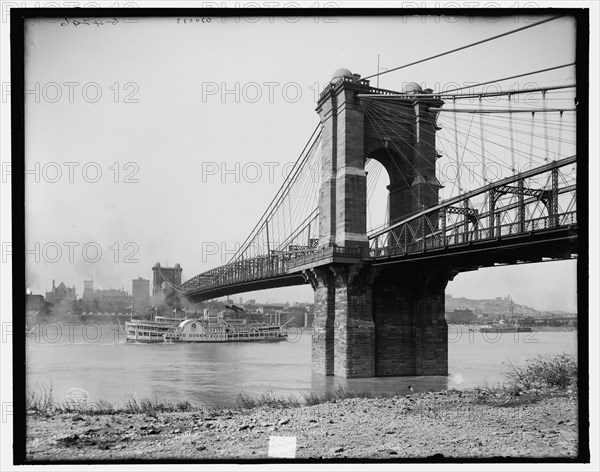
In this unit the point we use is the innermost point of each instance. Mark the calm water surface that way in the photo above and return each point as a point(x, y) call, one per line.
point(96, 359)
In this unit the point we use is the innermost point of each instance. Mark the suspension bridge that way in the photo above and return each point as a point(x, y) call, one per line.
point(476, 179)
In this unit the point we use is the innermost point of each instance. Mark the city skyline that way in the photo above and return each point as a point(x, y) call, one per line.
point(256, 296)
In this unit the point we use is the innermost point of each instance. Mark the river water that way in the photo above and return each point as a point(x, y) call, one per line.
point(95, 358)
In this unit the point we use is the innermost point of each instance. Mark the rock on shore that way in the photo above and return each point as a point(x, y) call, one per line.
point(448, 423)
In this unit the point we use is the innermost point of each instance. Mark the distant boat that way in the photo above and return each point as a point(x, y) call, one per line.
point(504, 328)
point(141, 331)
point(154, 331)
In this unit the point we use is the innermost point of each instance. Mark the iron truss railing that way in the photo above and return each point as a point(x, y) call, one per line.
point(245, 270)
point(511, 206)
point(438, 240)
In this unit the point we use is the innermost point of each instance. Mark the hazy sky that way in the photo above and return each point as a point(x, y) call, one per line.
point(178, 117)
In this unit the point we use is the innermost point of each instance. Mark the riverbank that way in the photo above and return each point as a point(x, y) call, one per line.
point(452, 423)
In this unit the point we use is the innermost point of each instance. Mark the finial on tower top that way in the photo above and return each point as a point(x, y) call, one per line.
point(411, 87)
point(341, 73)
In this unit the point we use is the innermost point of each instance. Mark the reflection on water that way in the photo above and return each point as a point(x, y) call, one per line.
point(97, 360)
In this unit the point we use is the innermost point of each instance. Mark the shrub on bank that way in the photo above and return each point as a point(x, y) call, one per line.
point(544, 371)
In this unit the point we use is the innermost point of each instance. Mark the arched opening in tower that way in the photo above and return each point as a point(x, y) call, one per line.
point(378, 208)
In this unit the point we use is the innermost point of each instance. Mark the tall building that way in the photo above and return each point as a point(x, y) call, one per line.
point(110, 295)
point(60, 293)
point(140, 291)
point(88, 289)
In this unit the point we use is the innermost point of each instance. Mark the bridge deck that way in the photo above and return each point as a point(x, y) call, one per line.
point(530, 241)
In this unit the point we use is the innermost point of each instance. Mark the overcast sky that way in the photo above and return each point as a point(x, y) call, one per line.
point(178, 117)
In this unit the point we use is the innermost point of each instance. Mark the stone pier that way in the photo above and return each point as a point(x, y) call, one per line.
point(378, 323)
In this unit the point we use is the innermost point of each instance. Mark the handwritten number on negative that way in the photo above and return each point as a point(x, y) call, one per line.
point(88, 22)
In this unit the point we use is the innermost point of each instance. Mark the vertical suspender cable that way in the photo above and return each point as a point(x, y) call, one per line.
point(512, 142)
point(560, 126)
point(268, 243)
point(531, 142)
point(456, 149)
point(483, 169)
point(545, 123)
point(290, 211)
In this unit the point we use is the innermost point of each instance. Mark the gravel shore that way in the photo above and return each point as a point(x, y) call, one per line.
point(447, 423)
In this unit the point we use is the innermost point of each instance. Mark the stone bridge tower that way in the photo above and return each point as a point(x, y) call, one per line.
point(160, 288)
point(375, 321)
